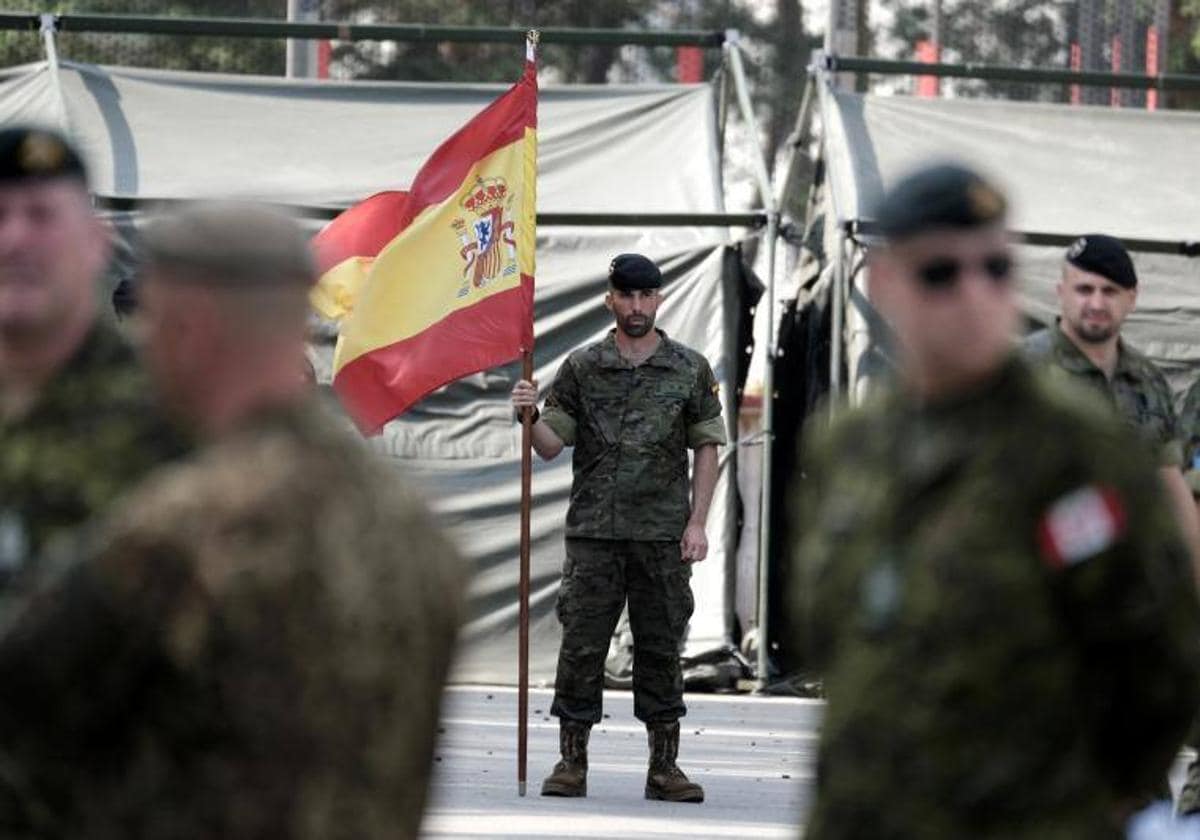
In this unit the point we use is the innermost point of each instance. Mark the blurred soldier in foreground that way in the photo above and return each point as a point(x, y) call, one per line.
point(1189, 426)
point(76, 422)
point(1098, 291)
point(631, 406)
point(257, 644)
point(993, 582)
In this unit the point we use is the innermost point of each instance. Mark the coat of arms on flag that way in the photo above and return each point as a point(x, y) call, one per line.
point(486, 231)
point(436, 282)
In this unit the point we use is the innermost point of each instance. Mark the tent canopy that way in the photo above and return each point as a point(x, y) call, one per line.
point(1068, 169)
point(164, 134)
point(649, 148)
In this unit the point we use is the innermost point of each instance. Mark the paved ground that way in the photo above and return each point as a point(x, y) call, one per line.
point(752, 754)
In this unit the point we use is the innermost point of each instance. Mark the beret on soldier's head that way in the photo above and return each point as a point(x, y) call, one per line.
point(228, 243)
point(38, 154)
point(1097, 253)
point(633, 271)
point(943, 195)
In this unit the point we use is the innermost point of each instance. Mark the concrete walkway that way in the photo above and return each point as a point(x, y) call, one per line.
point(752, 754)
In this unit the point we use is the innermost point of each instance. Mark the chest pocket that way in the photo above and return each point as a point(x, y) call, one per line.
point(1149, 418)
point(661, 413)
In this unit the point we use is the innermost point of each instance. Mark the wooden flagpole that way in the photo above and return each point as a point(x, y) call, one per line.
point(523, 586)
point(531, 41)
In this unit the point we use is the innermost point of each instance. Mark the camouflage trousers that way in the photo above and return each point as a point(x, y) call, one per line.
point(598, 576)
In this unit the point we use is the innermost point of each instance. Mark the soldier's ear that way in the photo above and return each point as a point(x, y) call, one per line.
point(608, 300)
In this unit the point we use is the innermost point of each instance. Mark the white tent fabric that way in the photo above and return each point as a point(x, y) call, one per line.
point(169, 135)
point(1069, 169)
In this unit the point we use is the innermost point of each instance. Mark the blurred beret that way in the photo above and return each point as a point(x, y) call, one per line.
point(1103, 255)
point(229, 243)
point(28, 153)
point(633, 271)
point(943, 195)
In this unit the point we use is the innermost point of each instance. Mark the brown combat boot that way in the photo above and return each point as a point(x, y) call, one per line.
point(665, 780)
point(569, 777)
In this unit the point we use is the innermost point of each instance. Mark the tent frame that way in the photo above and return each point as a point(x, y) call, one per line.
point(728, 41)
point(347, 31)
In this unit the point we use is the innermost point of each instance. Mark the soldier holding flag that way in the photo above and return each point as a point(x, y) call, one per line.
point(631, 405)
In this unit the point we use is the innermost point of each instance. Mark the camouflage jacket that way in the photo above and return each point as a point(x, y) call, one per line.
point(92, 432)
point(1189, 428)
point(1138, 389)
point(254, 647)
point(631, 428)
point(1003, 611)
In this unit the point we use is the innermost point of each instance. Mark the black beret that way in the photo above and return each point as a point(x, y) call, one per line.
point(28, 153)
point(1103, 255)
point(943, 195)
point(633, 271)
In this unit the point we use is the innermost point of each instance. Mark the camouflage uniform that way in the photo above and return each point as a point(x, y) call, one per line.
point(1138, 389)
point(631, 427)
point(1005, 616)
point(92, 432)
point(1189, 432)
point(1189, 427)
point(255, 648)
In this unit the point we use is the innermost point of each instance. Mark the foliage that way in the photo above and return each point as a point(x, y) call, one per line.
point(243, 55)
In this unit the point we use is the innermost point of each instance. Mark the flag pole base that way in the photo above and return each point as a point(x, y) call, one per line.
point(520, 788)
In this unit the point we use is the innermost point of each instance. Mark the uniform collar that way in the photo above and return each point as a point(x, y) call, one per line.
point(1073, 359)
point(610, 355)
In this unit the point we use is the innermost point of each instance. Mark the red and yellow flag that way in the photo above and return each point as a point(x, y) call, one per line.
point(437, 283)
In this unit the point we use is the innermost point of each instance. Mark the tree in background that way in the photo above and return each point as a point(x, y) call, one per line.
point(1027, 33)
point(223, 55)
point(1184, 51)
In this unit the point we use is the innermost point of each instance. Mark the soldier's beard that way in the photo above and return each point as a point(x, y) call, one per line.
point(1095, 333)
point(636, 326)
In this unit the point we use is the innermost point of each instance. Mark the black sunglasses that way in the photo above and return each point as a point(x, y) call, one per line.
point(942, 273)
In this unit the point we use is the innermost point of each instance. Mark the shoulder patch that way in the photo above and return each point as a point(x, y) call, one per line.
point(1080, 525)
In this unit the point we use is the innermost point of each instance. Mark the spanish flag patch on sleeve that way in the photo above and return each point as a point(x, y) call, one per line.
point(1080, 525)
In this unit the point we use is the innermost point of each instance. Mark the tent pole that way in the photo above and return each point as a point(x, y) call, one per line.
point(835, 330)
point(767, 450)
point(48, 27)
point(523, 585)
point(733, 49)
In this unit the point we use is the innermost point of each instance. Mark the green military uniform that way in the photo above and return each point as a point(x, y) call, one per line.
point(631, 427)
point(92, 432)
point(1189, 433)
point(1005, 616)
point(1138, 390)
point(1189, 428)
point(254, 648)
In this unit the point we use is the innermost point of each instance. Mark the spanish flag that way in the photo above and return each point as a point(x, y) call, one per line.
point(436, 283)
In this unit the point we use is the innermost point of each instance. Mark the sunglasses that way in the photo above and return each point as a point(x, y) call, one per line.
point(943, 273)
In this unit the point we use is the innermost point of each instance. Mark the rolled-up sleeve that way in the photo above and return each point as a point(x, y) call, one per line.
point(703, 413)
point(562, 404)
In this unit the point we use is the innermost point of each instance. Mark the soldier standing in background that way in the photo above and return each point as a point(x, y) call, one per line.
point(77, 425)
point(255, 644)
point(1098, 291)
point(631, 405)
point(991, 578)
